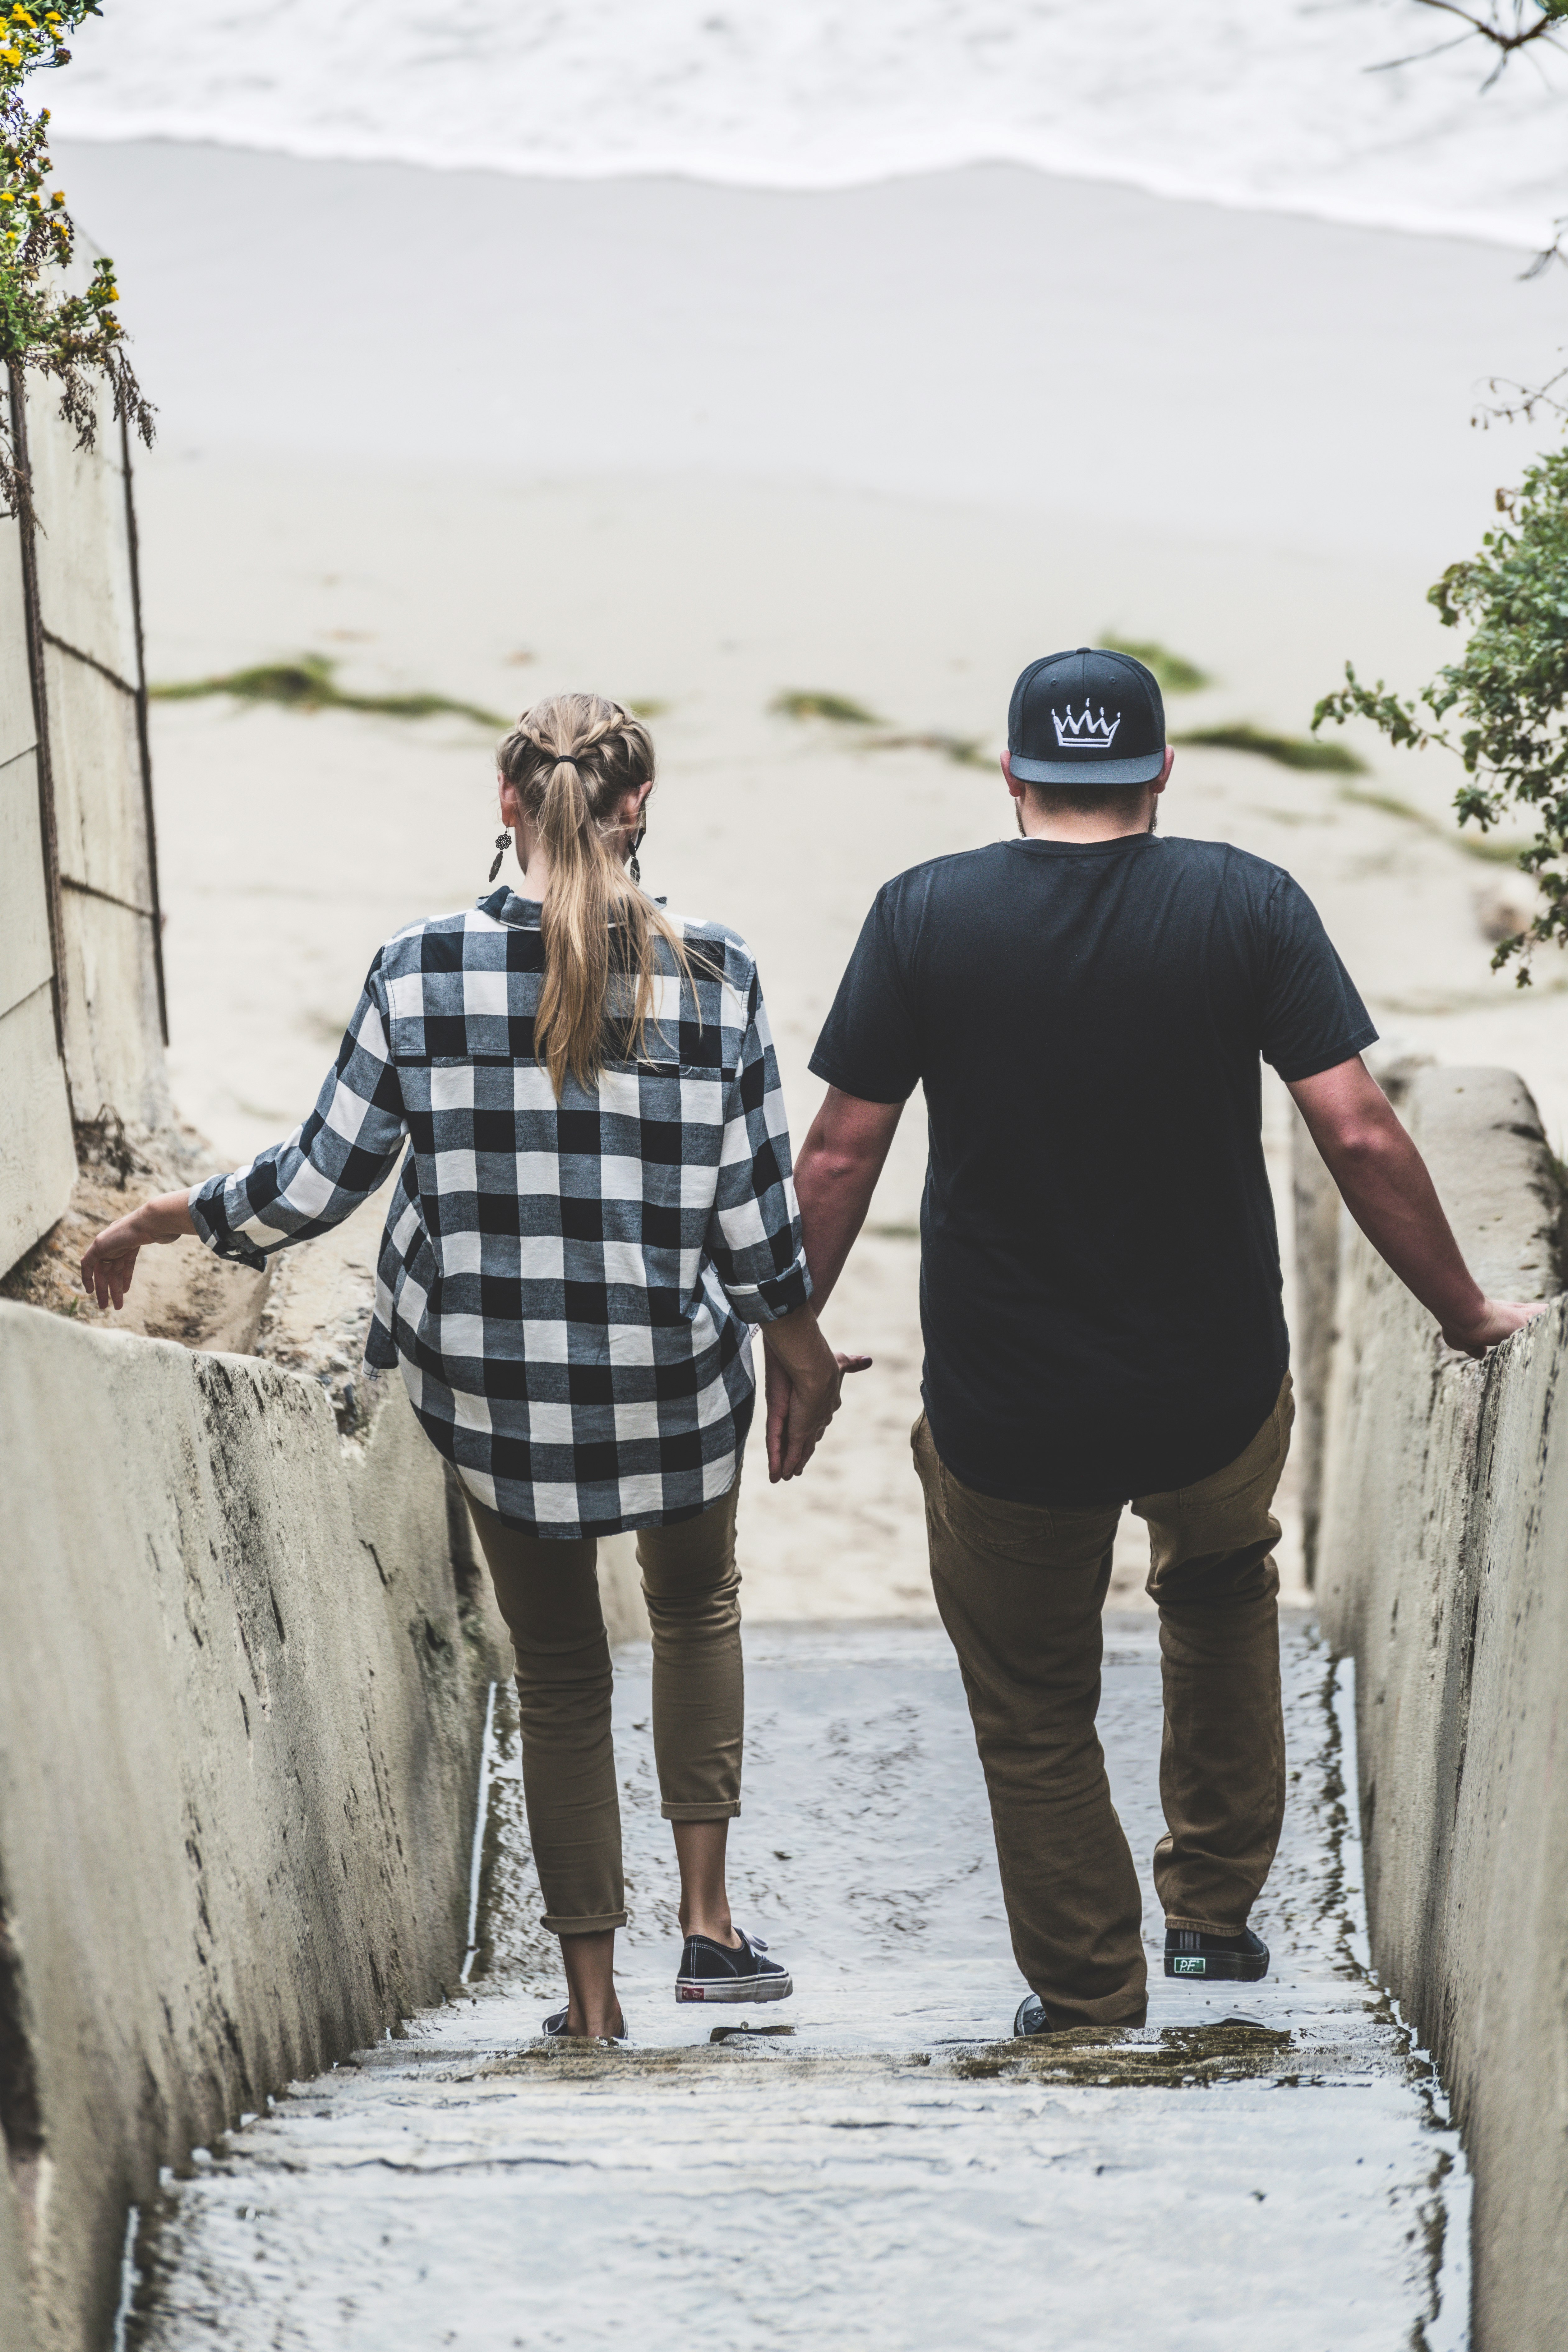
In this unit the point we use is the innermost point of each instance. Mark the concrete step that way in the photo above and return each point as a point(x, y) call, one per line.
point(874, 2160)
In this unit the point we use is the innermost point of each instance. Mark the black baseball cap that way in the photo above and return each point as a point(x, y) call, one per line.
point(1090, 717)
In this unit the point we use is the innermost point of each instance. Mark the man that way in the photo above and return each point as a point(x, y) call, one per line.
point(1085, 1007)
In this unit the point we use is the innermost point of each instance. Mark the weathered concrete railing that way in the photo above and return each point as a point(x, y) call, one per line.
point(1439, 1492)
point(82, 1016)
point(242, 1671)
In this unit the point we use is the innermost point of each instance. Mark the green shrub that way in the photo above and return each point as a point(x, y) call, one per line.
point(72, 338)
point(1501, 706)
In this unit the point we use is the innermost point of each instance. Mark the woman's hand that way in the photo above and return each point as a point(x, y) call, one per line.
point(805, 1379)
point(109, 1259)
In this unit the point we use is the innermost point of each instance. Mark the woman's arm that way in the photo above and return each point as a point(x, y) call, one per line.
point(805, 1382)
point(111, 1257)
point(345, 1150)
point(753, 1230)
point(292, 1190)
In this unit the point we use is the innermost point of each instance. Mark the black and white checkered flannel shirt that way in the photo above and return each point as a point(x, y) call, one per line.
point(567, 1286)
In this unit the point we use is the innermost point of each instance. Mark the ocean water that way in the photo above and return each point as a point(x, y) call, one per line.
point(1274, 103)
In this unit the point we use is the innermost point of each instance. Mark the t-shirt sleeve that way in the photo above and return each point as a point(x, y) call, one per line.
point(1312, 1018)
point(869, 1046)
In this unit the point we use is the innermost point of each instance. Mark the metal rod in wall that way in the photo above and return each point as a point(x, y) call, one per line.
point(143, 738)
point(27, 531)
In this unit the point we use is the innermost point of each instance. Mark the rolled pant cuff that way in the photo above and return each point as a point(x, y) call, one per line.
point(701, 1812)
point(1204, 1927)
point(596, 1926)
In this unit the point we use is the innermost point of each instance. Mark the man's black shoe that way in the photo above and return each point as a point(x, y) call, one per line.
point(1031, 2018)
point(1189, 1953)
point(710, 1971)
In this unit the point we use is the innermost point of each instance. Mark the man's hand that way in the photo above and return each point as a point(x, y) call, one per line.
point(109, 1259)
point(1499, 1320)
point(799, 1412)
point(1384, 1182)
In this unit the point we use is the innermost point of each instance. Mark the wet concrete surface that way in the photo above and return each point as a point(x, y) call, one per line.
point(874, 2161)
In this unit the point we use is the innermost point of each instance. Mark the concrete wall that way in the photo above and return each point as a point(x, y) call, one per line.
point(37, 1155)
point(240, 1690)
point(1442, 1566)
point(81, 1011)
point(90, 650)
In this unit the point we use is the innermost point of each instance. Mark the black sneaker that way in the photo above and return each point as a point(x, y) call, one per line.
point(1031, 2018)
point(1189, 1953)
point(555, 2027)
point(710, 1971)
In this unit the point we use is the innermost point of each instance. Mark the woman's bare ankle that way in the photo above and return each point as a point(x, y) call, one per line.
point(595, 2023)
point(711, 1920)
point(704, 1899)
point(593, 2005)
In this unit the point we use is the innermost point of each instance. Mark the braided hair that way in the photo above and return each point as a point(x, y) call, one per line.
point(572, 759)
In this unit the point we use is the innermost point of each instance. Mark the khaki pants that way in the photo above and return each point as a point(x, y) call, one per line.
point(1020, 1587)
point(548, 1591)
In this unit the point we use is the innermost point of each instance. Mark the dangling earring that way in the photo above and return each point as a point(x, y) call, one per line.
point(503, 843)
point(633, 869)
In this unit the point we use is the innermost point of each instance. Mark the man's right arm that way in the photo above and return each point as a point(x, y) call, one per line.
point(834, 1177)
point(1384, 1182)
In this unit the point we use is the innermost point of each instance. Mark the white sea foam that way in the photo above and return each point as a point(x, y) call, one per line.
point(1271, 103)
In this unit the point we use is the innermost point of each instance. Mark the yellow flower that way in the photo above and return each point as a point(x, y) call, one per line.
point(58, 197)
point(10, 56)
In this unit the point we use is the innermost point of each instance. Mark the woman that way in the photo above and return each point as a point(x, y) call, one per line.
point(597, 1207)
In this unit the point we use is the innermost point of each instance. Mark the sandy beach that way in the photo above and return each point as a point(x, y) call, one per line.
point(698, 448)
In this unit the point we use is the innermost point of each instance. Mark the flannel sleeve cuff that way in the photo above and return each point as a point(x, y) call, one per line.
point(206, 1203)
point(767, 1302)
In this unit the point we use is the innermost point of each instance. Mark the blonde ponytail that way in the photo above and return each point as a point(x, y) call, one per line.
point(572, 759)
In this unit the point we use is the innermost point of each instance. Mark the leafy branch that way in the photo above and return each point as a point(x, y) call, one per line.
point(1503, 708)
point(1507, 26)
point(75, 339)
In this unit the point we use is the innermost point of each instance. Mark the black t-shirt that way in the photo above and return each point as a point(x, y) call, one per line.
point(1100, 1275)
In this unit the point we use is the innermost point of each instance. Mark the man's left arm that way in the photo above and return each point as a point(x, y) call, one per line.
point(1384, 1184)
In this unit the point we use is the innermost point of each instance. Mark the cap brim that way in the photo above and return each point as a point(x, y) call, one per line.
point(1144, 771)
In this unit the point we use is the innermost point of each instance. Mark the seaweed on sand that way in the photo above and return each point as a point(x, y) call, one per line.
point(1175, 672)
point(310, 684)
point(1288, 750)
point(966, 751)
point(800, 702)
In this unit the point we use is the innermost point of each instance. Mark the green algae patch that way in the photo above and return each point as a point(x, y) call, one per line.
point(1180, 2058)
point(1474, 844)
point(964, 750)
point(841, 710)
point(1176, 673)
point(814, 702)
point(310, 685)
point(1286, 751)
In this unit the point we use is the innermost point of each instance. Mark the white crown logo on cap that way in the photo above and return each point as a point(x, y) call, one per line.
point(1085, 734)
